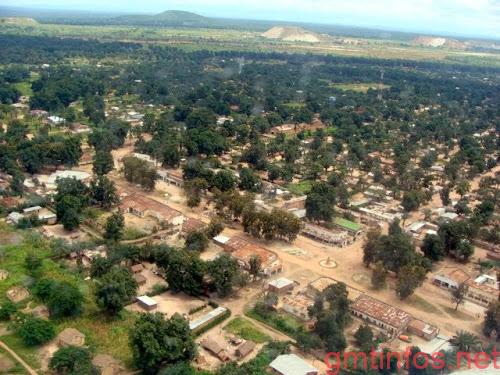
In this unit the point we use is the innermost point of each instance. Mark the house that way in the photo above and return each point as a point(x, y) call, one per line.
point(137, 268)
point(483, 290)
point(297, 305)
point(349, 226)
point(39, 113)
point(291, 364)
point(324, 235)
point(192, 225)
point(281, 285)
point(213, 347)
point(107, 365)
point(207, 318)
point(77, 128)
point(142, 206)
point(56, 120)
point(171, 177)
point(389, 318)
point(450, 277)
point(70, 337)
point(147, 303)
point(270, 262)
point(422, 329)
point(245, 349)
point(17, 294)
point(78, 175)
point(32, 210)
point(14, 218)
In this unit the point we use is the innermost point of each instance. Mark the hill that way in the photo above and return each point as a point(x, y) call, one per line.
point(429, 41)
point(17, 21)
point(167, 18)
point(292, 34)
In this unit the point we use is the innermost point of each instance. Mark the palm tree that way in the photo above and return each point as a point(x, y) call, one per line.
point(466, 341)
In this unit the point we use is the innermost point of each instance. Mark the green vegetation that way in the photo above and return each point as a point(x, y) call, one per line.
point(300, 188)
point(359, 87)
point(246, 330)
point(282, 322)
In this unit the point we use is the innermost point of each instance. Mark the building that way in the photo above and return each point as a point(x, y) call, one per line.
point(56, 120)
point(171, 177)
point(142, 206)
point(147, 303)
point(450, 277)
point(270, 262)
point(346, 225)
point(78, 175)
point(297, 306)
point(291, 364)
point(483, 290)
point(139, 279)
point(324, 235)
point(217, 350)
point(389, 318)
point(281, 285)
point(245, 349)
point(137, 268)
point(422, 329)
point(77, 128)
point(14, 218)
point(207, 318)
point(192, 225)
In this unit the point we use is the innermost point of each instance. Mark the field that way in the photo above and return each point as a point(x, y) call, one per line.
point(193, 39)
point(246, 330)
point(358, 87)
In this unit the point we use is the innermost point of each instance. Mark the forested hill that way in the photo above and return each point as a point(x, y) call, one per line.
point(167, 18)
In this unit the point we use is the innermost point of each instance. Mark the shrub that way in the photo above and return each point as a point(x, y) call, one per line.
point(34, 331)
point(73, 360)
point(7, 309)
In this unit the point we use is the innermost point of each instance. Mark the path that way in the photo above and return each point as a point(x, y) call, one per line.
point(18, 359)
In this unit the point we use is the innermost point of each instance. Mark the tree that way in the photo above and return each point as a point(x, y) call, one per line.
point(215, 227)
point(445, 196)
point(103, 162)
point(115, 289)
point(462, 187)
point(65, 300)
point(223, 271)
point(100, 266)
point(364, 338)
point(184, 271)
point(114, 226)
point(71, 360)
point(140, 172)
point(34, 331)
point(458, 294)
point(32, 263)
point(491, 325)
point(409, 278)
point(379, 275)
point(465, 342)
point(255, 266)
point(180, 368)
point(7, 310)
point(68, 212)
point(464, 250)
point(196, 241)
point(249, 181)
point(157, 342)
point(103, 192)
point(306, 341)
point(433, 247)
point(370, 246)
point(224, 180)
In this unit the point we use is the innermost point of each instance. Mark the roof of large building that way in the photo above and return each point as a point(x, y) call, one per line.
point(250, 250)
point(455, 274)
point(79, 175)
point(423, 327)
point(381, 311)
point(141, 203)
point(207, 317)
point(280, 283)
point(347, 224)
point(291, 364)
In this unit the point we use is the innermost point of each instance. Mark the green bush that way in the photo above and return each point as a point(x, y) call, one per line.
point(7, 309)
point(34, 331)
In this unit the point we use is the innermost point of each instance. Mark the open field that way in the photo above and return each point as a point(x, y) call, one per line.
point(358, 87)
point(238, 40)
point(246, 330)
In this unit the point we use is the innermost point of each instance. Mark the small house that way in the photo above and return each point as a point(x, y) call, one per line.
point(147, 303)
point(70, 337)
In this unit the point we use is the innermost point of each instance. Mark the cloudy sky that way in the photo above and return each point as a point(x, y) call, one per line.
point(456, 17)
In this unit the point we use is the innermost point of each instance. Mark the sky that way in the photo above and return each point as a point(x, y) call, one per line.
point(453, 17)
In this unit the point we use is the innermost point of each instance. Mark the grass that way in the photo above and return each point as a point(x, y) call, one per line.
point(132, 234)
point(300, 188)
point(358, 87)
point(24, 88)
point(285, 323)
point(457, 314)
point(17, 369)
point(103, 334)
point(423, 305)
point(28, 354)
point(246, 330)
